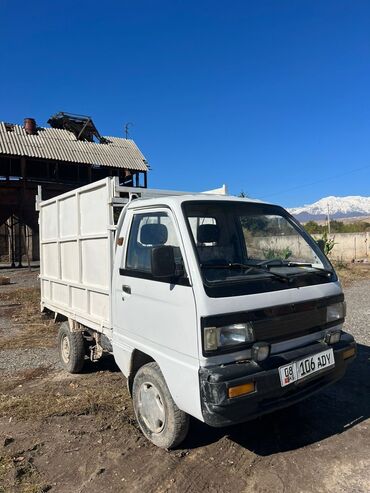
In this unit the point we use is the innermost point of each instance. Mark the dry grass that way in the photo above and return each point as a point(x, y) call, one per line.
point(32, 329)
point(349, 273)
point(6, 465)
point(21, 377)
point(100, 393)
point(42, 392)
point(19, 475)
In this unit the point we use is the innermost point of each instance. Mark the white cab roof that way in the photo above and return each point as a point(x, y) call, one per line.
point(177, 200)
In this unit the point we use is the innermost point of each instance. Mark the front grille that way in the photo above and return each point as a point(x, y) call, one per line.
point(286, 322)
point(289, 326)
point(282, 322)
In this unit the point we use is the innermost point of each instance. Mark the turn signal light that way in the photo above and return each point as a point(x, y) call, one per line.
point(245, 388)
point(348, 353)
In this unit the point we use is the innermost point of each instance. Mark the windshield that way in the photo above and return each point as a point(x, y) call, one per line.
point(232, 237)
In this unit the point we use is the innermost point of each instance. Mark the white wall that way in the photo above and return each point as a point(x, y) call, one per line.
point(349, 246)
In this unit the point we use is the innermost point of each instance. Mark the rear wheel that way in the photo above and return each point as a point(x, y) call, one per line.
point(161, 421)
point(71, 349)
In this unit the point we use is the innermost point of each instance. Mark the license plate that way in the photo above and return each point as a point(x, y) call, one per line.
point(297, 370)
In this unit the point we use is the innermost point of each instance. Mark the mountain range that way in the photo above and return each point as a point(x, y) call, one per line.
point(339, 208)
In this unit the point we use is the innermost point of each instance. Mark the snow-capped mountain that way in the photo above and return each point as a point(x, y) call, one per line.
point(339, 207)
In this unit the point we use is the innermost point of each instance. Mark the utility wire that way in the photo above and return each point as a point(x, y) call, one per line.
point(315, 182)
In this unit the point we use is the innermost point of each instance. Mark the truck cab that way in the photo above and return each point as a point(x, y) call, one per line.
point(230, 302)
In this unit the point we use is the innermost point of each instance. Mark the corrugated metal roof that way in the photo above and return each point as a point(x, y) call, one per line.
point(62, 145)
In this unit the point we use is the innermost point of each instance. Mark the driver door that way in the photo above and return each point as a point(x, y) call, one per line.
point(155, 315)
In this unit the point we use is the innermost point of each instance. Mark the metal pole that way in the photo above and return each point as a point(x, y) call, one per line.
point(12, 241)
point(27, 245)
point(19, 242)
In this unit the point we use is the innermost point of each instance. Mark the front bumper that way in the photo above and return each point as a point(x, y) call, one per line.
point(219, 410)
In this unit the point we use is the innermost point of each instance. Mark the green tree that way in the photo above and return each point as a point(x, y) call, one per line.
point(313, 228)
point(337, 227)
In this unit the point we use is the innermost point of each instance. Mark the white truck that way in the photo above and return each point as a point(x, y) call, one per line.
point(216, 307)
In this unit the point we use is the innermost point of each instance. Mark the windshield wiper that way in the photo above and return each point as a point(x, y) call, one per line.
point(281, 263)
point(249, 266)
point(325, 272)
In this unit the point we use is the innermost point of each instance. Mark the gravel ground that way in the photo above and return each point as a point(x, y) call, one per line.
point(20, 359)
point(21, 278)
point(358, 311)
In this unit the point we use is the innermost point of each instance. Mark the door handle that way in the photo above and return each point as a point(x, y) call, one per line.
point(126, 289)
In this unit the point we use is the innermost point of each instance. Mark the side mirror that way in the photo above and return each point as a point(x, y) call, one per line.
point(321, 244)
point(163, 261)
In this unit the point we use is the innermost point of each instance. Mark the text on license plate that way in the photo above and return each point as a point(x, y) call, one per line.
point(306, 366)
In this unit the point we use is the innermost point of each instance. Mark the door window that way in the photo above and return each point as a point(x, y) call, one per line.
point(149, 230)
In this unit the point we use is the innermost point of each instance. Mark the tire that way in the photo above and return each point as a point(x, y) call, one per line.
point(71, 349)
point(160, 420)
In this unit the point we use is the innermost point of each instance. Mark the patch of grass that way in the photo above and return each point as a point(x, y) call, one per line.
point(21, 377)
point(33, 329)
point(22, 295)
point(32, 336)
point(350, 272)
point(19, 477)
point(6, 465)
point(98, 393)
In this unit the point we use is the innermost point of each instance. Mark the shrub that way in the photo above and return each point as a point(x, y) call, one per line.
point(283, 253)
point(329, 243)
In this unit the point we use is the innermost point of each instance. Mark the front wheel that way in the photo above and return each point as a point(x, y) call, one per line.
point(71, 349)
point(161, 421)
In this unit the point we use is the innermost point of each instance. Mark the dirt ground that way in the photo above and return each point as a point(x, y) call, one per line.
point(76, 433)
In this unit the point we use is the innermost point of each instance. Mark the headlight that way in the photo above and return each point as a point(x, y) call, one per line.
point(227, 335)
point(336, 312)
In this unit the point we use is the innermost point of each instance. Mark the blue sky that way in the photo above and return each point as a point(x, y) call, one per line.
point(270, 97)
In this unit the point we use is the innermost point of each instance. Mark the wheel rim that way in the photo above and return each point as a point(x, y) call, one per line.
point(151, 407)
point(65, 349)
